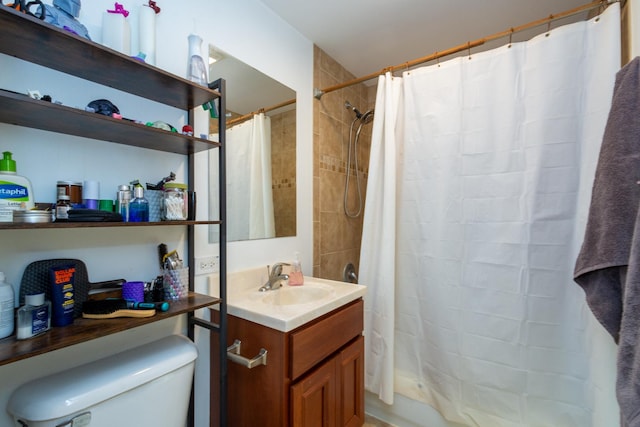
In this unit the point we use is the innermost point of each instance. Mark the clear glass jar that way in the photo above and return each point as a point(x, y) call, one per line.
point(174, 202)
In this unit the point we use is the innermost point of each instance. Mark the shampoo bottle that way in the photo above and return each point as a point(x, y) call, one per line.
point(295, 276)
point(16, 193)
point(6, 308)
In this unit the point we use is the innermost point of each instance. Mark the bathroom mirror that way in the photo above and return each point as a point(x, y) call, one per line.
point(260, 149)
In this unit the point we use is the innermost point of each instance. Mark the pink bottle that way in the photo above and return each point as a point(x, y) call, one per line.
point(295, 275)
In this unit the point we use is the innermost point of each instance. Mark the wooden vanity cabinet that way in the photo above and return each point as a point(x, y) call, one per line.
point(314, 375)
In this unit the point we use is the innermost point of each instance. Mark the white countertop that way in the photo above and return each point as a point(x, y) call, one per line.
point(288, 307)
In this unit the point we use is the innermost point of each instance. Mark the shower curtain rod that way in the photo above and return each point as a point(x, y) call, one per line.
point(262, 110)
point(469, 45)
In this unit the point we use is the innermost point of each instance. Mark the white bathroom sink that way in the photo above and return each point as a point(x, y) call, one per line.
point(295, 295)
point(288, 307)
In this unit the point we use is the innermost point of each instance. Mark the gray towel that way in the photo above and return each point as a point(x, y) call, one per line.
point(608, 266)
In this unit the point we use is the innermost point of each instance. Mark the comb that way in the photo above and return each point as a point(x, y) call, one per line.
point(111, 309)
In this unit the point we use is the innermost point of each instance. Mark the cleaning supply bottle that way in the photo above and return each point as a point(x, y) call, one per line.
point(15, 190)
point(147, 31)
point(6, 308)
point(295, 276)
point(116, 32)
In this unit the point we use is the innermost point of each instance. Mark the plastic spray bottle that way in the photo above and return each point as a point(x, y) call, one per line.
point(116, 32)
point(16, 193)
point(6, 308)
point(197, 72)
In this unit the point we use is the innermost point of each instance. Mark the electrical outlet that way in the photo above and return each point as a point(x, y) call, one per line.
point(207, 265)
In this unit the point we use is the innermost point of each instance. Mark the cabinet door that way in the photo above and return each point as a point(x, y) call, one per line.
point(257, 396)
point(313, 399)
point(350, 382)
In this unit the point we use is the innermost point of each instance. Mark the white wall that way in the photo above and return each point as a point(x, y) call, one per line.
point(244, 29)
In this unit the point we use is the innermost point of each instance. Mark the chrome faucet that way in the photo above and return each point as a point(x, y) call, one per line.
point(275, 277)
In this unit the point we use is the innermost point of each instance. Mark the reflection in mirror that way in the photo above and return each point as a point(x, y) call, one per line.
point(260, 151)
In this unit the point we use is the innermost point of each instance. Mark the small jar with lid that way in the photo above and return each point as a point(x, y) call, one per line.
point(62, 207)
point(174, 202)
point(71, 189)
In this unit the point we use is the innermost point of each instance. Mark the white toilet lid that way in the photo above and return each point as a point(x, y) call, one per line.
point(82, 387)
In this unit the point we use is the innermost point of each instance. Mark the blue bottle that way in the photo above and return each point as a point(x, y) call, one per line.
point(62, 294)
point(139, 207)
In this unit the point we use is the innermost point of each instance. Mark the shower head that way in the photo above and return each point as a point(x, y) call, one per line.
point(367, 117)
point(348, 106)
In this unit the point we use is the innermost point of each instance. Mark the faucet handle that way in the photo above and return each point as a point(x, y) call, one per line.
point(276, 269)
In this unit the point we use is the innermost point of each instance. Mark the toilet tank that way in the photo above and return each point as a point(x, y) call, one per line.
point(148, 385)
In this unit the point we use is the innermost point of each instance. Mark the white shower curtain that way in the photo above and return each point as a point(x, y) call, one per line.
point(471, 306)
point(249, 182)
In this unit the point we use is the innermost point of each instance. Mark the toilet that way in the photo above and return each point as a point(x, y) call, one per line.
point(148, 385)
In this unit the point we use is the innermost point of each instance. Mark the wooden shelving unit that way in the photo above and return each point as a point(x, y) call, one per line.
point(34, 41)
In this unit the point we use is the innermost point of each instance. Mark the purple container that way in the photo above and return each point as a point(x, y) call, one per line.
point(133, 291)
point(91, 203)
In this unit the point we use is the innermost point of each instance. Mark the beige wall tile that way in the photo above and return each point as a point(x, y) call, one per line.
point(336, 237)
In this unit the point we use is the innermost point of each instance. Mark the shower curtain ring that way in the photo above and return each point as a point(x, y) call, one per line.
point(550, 18)
point(469, 49)
point(437, 58)
point(601, 8)
point(511, 37)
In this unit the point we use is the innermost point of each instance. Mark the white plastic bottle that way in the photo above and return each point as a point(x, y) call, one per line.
point(147, 31)
point(15, 191)
point(6, 308)
point(116, 32)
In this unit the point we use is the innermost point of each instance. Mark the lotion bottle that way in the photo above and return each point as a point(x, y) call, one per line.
point(6, 308)
point(15, 191)
point(295, 276)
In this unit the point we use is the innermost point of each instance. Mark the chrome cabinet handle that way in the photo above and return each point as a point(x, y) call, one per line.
point(233, 354)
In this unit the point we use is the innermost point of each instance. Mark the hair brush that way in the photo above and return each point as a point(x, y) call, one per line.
point(112, 308)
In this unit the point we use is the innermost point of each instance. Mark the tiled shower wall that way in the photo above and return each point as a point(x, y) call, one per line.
point(337, 237)
point(283, 170)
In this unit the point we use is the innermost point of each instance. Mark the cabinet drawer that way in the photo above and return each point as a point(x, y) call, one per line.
point(314, 343)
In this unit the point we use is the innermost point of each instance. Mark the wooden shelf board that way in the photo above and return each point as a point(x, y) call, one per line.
point(19, 109)
point(28, 226)
point(83, 330)
point(77, 56)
